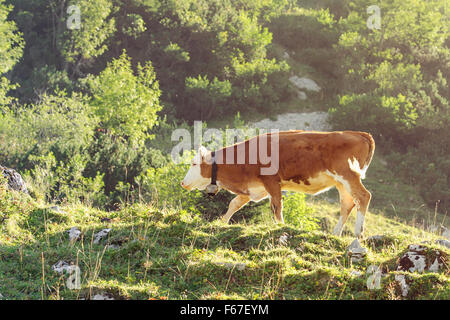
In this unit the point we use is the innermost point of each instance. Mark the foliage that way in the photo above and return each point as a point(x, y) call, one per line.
point(296, 212)
point(79, 44)
point(11, 42)
point(393, 84)
point(68, 94)
point(59, 123)
point(11, 46)
point(126, 104)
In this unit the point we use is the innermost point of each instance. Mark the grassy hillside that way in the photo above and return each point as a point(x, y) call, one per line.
point(87, 118)
point(171, 253)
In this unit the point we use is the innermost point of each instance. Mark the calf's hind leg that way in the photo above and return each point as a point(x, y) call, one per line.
point(273, 188)
point(361, 196)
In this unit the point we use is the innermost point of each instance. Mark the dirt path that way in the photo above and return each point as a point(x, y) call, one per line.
point(296, 121)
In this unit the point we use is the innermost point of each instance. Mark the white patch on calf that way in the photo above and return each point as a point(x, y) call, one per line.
point(355, 167)
point(340, 179)
point(257, 193)
point(359, 225)
point(194, 178)
point(338, 229)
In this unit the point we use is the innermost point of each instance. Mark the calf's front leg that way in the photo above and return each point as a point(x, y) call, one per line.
point(235, 204)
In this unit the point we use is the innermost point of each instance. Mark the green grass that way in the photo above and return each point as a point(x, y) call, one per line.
point(173, 254)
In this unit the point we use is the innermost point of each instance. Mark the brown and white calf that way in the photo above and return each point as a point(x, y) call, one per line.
point(308, 161)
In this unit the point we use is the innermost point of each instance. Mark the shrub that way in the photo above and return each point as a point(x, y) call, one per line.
point(380, 115)
point(52, 180)
point(14, 210)
point(126, 104)
point(58, 124)
point(206, 98)
point(297, 212)
point(162, 186)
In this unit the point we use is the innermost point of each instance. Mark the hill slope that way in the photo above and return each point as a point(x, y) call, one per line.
point(171, 254)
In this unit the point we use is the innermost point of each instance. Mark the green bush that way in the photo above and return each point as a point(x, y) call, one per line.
point(50, 181)
point(126, 104)
point(14, 210)
point(207, 98)
point(60, 124)
point(297, 213)
point(380, 115)
point(427, 166)
point(119, 162)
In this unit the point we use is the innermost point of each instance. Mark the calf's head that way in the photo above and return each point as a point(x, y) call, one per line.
point(198, 175)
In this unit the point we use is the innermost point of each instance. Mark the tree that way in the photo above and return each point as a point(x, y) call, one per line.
point(81, 43)
point(11, 48)
point(126, 103)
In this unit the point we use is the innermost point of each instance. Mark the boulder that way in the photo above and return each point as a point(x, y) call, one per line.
point(63, 266)
point(100, 235)
point(418, 259)
point(446, 233)
point(15, 181)
point(443, 242)
point(356, 252)
point(304, 83)
point(74, 234)
point(103, 296)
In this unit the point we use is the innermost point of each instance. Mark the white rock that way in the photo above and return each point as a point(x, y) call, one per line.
point(355, 273)
point(415, 260)
point(356, 251)
point(356, 248)
point(102, 296)
point(401, 279)
point(434, 267)
point(446, 233)
point(418, 261)
point(374, 277)
point(62, 266)
point(229, 265)
point(304, 83)
point(296, 121)
point(416, 247)
point(443, 242)
point(100, 235)
point(301, 95)
point(284, 239)
point(285, 55)
point(74, 234)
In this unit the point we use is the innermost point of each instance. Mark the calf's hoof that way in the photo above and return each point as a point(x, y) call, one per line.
point(225, 220)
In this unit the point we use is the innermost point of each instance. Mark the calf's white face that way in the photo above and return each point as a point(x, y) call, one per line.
point(193, 178)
